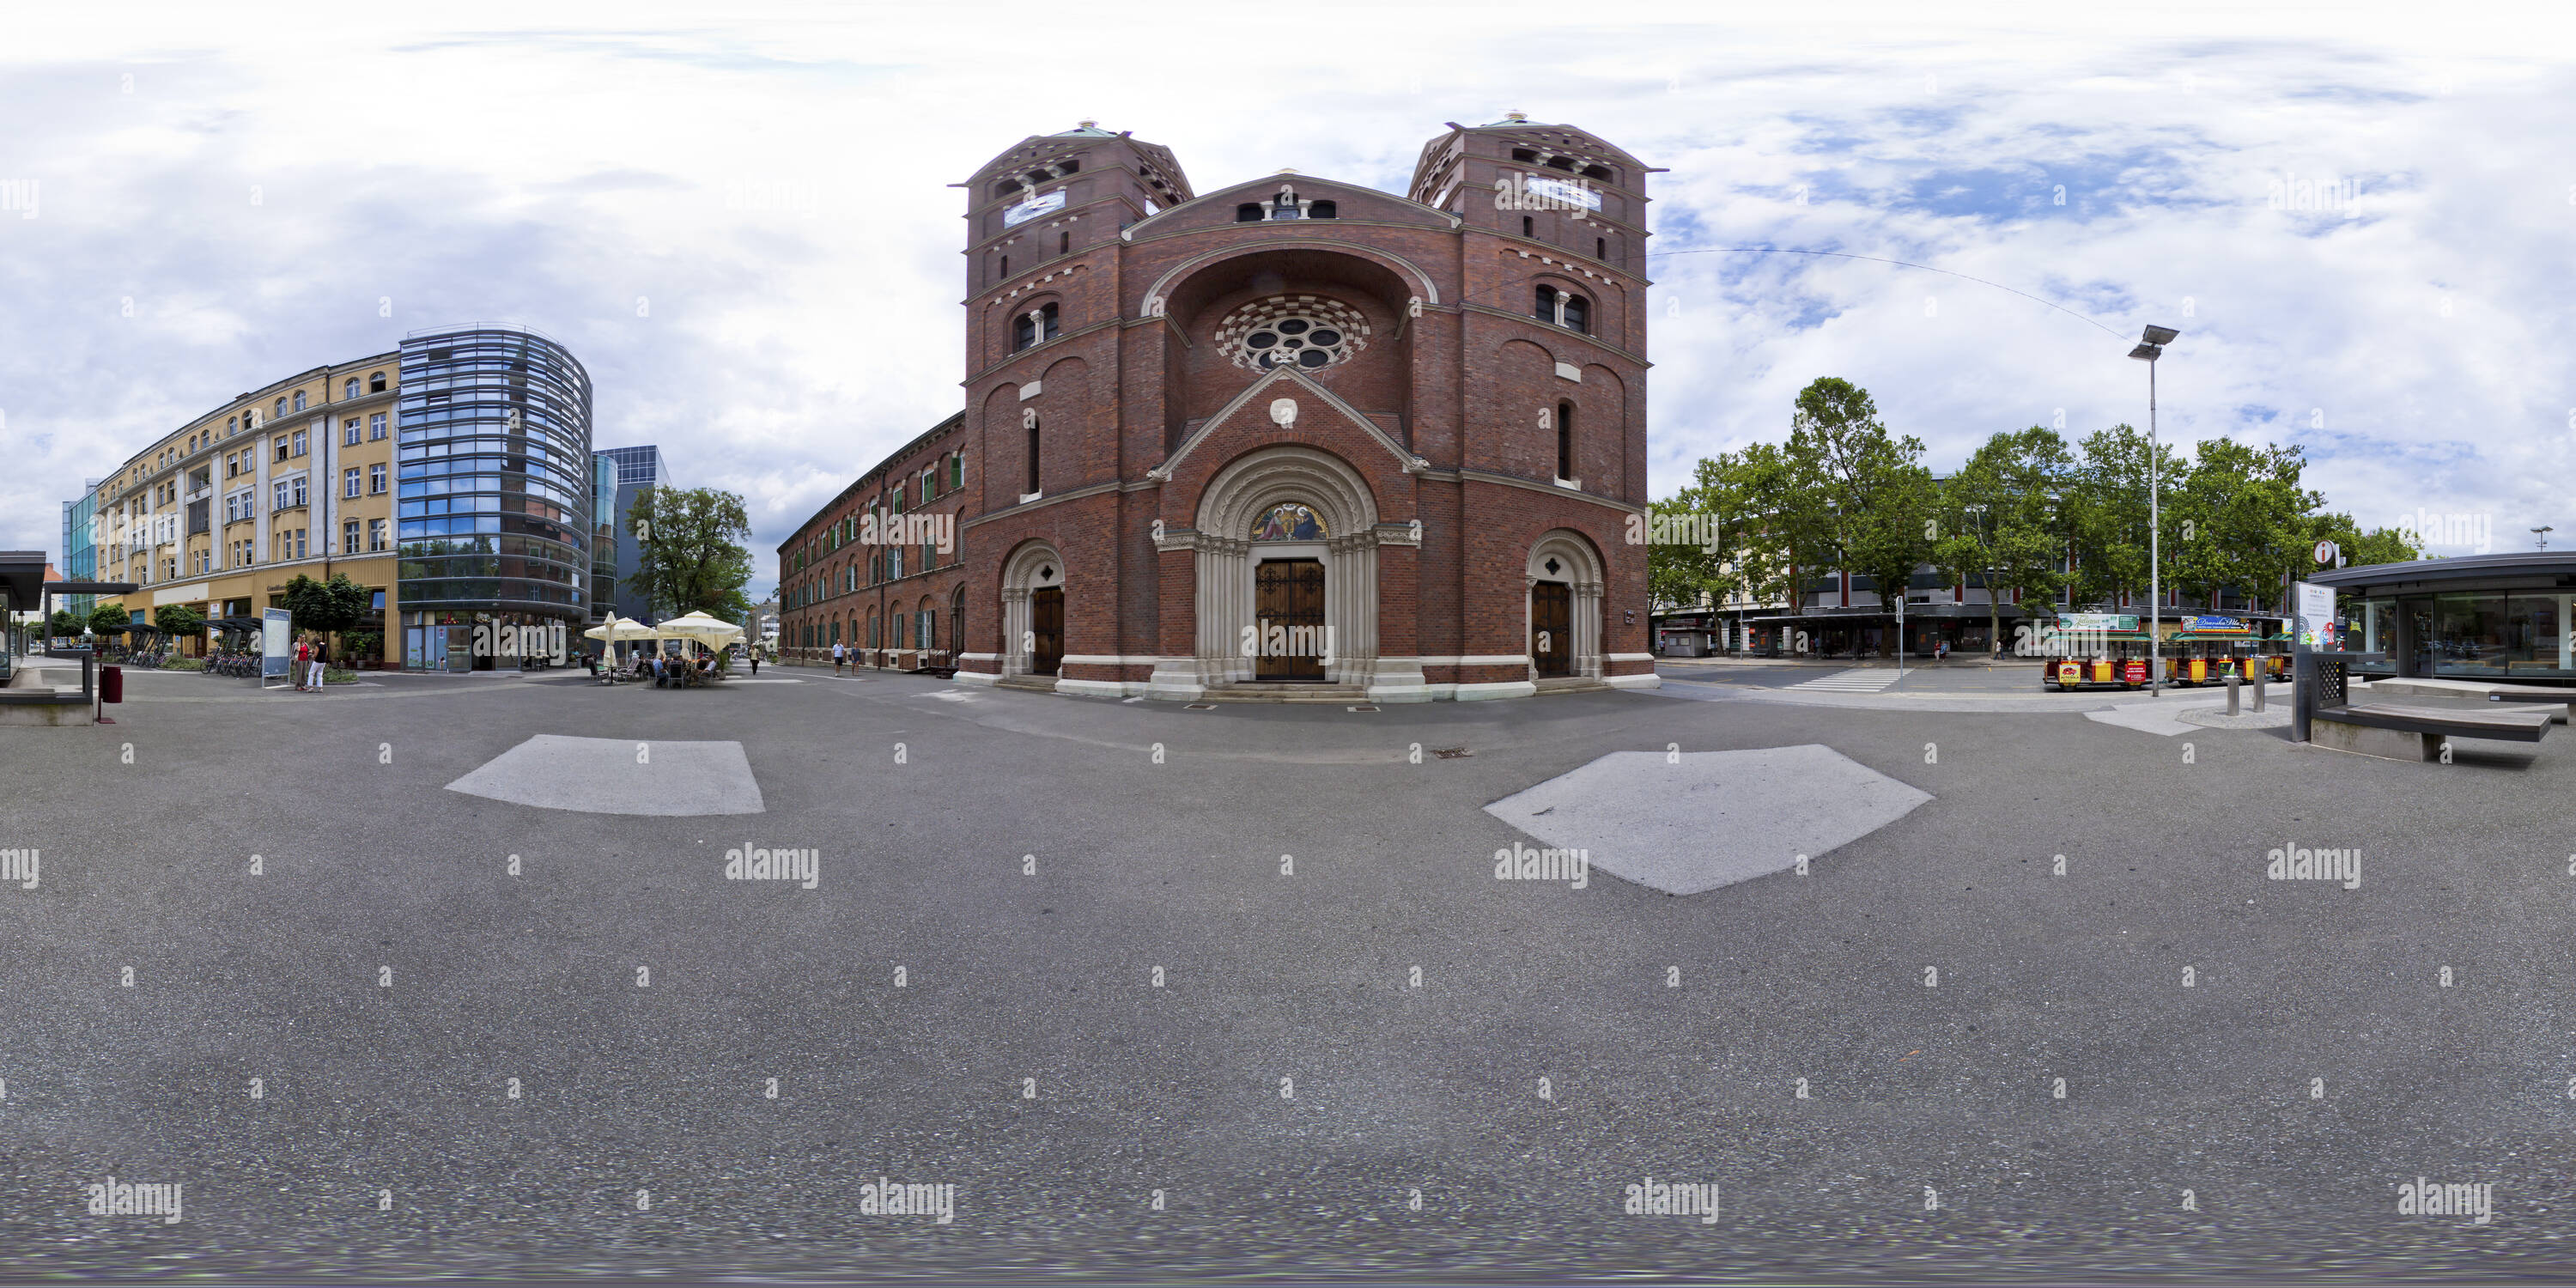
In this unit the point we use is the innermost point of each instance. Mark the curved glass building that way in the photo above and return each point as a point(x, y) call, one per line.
point(494, 499)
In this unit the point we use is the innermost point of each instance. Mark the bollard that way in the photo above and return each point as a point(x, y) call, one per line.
point(2231, 695)
point(2260, 681)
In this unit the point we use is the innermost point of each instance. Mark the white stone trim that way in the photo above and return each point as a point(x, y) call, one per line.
point(1572, 485)
point(1502, 689)
point(1477, 659)
point(1629, 657)
point(1032, 389)
point(1569, 371)
point(1583, 579)
point(1105, 688)
point(983, 678)
point(1111, 659)
point(1027, 497)
point(1226, 565)
point(1646, 681)
point(979, 657)
point(1285, 375)
point(1161, 289)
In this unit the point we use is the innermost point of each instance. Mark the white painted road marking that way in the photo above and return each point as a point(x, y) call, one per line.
point(608, 776)
point(1864, 680)
point(1716, 818)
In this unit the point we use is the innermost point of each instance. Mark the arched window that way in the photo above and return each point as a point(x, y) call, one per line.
point(1033, 488)
point(1248, 213)
point(872, 630)
point(376, 383)
point(350, 390)
point(836, 630)
point(299, 400)
point(1322, 210)
point(231, 424)
point(281, 406)
point(1562, 308)
point(902, 635)
point(1033, 327)
point(1565, 440)
point(957, 617)
point(928, 630)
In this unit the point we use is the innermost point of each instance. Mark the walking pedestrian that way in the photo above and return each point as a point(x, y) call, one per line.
point(838, 656)
point(321, 662)
point(755, 659)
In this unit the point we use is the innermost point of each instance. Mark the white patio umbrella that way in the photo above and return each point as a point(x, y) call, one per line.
point(619, 628)
point(714, 632)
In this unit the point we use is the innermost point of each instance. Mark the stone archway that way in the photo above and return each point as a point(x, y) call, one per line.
point(1563, 557)
point(1226, 560)
point(1033, 567)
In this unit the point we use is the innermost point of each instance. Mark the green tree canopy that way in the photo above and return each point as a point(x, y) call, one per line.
point(326, 606)
point(2003, 518)
point(109, 619)
point(689, 551)
point(1860, 497)
point(179, 619)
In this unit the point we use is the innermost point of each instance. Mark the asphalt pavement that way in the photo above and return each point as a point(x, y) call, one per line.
point(1139, 984)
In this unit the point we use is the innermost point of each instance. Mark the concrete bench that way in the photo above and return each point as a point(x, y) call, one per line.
point(2402, 731)
point(2563, 700)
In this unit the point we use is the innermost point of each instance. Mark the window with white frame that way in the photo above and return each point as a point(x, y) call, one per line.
point(375, 534)
point(349, 537)
point(277, 498)
point(376, 479)
point(376, 427)
point(349, 432)
point(349, 483)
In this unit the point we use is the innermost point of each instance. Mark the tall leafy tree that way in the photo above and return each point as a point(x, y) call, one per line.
point(1859, 495)
point(2239, 520)
point(2107, 512)
point(690, 556)
point(2003, 520)
point(107, 619)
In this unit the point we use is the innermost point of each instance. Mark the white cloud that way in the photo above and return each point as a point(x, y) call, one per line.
point(776, 187)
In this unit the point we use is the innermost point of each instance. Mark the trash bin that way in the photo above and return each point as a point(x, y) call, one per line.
point(111, 684)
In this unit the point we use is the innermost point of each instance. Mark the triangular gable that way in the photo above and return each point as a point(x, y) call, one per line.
point(1405, 460)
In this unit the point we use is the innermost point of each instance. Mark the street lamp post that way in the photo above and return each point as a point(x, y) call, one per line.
point(2151, 346)
point(2543, 532)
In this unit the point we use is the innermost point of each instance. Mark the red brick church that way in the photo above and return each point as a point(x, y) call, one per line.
point(1294, 432)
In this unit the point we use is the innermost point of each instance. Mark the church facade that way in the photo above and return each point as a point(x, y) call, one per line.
point(1298, 432)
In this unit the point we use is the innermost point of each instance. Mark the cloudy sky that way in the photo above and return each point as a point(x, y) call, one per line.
point(741, 221)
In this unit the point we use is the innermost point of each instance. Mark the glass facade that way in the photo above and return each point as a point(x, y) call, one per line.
point(494, 499)
point(80, 548)
point(603, 536)
point(2503, 635)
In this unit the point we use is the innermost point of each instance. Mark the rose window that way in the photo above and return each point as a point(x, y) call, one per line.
point(1301, 330)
